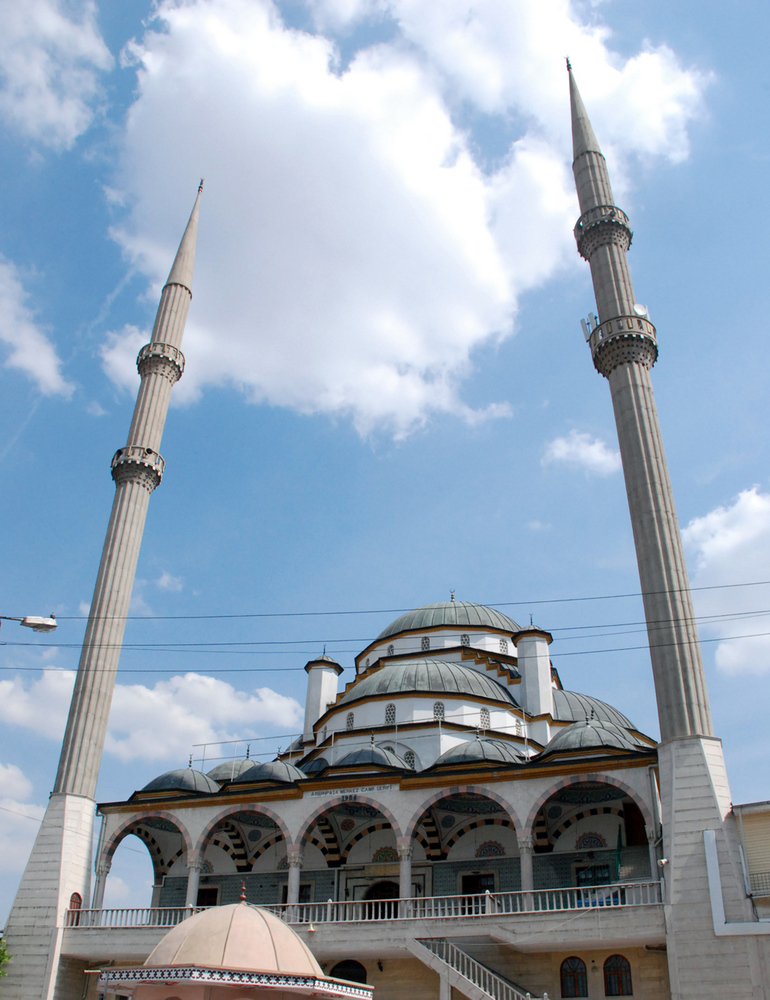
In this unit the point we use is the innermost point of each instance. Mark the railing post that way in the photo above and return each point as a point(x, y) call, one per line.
point(329, 910)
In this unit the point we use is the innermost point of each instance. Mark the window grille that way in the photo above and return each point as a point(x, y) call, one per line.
point(425, 642)
point(350, 720)
point(390, 715)
point(438, 711)
point(484, 718)
point(503, 645)
point(410, 759)
point(617, 977)
point(391, 649)
point(465, 639)
point(574, 982)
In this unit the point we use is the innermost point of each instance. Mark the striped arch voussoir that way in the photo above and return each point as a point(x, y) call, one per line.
point(575, 780)
point(215, 824)
point(127, 826)
point(360, 836)
point(587, 814)
point(447, 793)
point(474, 825)
point(339, 800)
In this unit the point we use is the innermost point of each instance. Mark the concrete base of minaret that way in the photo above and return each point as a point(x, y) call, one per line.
point(706, 959)
point(60, 864)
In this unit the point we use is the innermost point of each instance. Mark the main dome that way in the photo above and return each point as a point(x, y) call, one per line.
point(426, 676)
point(455, 614)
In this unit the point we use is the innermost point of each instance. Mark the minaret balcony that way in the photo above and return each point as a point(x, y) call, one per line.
point(623, 339)
point(602, 225)
point(165, 359)
point(136, 458)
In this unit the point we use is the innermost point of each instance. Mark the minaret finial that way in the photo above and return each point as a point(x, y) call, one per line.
point(569, 70)
point(182, 269)
point(583, 138)
point(200, 186)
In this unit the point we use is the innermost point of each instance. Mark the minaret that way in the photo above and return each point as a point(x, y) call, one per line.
point(60, 862)
point(624, 348)
point(707, 948)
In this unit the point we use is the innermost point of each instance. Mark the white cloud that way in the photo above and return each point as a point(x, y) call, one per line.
point(49, 66)
point(18, 818)
point(30, 349)
point(582, 451)
point(731, 545)
point(151, 723)
point(352, 253)
point(168, 582)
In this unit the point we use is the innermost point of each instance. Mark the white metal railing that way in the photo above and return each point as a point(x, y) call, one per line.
point(138, 916)
point(481, 977)
point(418, 908)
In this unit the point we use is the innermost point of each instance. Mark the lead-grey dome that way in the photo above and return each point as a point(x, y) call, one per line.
point(272, 770)
point(460, 614)
point(569, 706)
point(426, 676)
point(378, 756)
point(494, 751)
point(230, 770)
point(589, 734)
point(183, 779)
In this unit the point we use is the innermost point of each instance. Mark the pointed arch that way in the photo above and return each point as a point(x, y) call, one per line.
point(125, 829)
point(474, 825)
point(339, 800)
point(229, 811)
point(447, 793)
point(594, 778)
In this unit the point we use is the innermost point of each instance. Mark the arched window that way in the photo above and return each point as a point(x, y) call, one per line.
point(438, 711)
point(465, 639)
point(410, 759)
point(503, 645)
point(390, 715)
point(574, 982)
point(76, 901)
point(351, 970)
point(350, 721)
point(391, 649)
point(484, 718)
point(425, 642)
point(617, 977)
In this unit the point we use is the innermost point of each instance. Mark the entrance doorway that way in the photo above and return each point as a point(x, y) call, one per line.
point(380, 900)
point(474, 888)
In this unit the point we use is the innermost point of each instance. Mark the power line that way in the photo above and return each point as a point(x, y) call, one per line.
point(399, 611)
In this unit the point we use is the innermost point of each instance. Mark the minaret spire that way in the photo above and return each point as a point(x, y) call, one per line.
point(624, 349)
point(61, 858)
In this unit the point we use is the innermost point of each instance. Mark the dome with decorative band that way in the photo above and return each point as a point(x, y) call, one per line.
point(450, 614)
point(424, 675)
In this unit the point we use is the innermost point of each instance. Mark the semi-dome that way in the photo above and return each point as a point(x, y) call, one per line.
point(424, 675)
point(272, 770)
point(452, 614)
point(183, 779)
point(239, 936)
point(569, 706)
point(378, 756)
point(482, 749)
point(231, 770)
point(590, 734)
point(315, 766)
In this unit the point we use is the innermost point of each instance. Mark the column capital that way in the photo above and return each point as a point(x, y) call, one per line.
point(526, 844)
point(195, 862)
point(294, 857)
point(405, 852)
point(103, 867)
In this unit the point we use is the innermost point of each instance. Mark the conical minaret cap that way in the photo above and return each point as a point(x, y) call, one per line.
point(583, 138)
point(182, 269)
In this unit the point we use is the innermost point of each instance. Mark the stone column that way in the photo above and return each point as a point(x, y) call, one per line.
point(294, 858)
point(526, 851)
point(404, 877)
point(650, 831)
point(102, 871)
point(195, 866)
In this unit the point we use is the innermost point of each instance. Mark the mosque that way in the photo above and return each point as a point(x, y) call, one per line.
point(454, 822)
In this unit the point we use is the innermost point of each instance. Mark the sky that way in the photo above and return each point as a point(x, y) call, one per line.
point(387, 394)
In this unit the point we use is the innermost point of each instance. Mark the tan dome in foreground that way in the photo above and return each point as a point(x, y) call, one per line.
point(239, 936)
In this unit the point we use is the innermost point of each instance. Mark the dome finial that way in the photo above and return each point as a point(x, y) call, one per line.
point(451, 595)
point(248, 751)
point(243, 891)
point(189, 762)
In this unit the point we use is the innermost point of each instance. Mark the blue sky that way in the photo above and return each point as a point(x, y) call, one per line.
point(387, 392)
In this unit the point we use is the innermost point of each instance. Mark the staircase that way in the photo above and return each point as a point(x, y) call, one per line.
point(464, 973)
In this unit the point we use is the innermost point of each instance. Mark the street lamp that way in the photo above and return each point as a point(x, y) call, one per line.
point(35, 622)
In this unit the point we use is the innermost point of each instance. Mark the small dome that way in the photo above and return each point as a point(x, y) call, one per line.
point(378, 756)
point(239, 936)
point(183, 779)
point(424, 675)
point(494, 751)
point(590, 734)
point(272, 770)
point(315, 766)
point(569, 706)
point(454, 614)
point(230, 770)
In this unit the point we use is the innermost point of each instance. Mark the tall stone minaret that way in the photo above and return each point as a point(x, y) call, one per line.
point(694, 792)
point(60, 863)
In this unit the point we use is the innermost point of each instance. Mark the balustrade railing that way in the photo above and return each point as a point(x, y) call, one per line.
point(418, 908)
